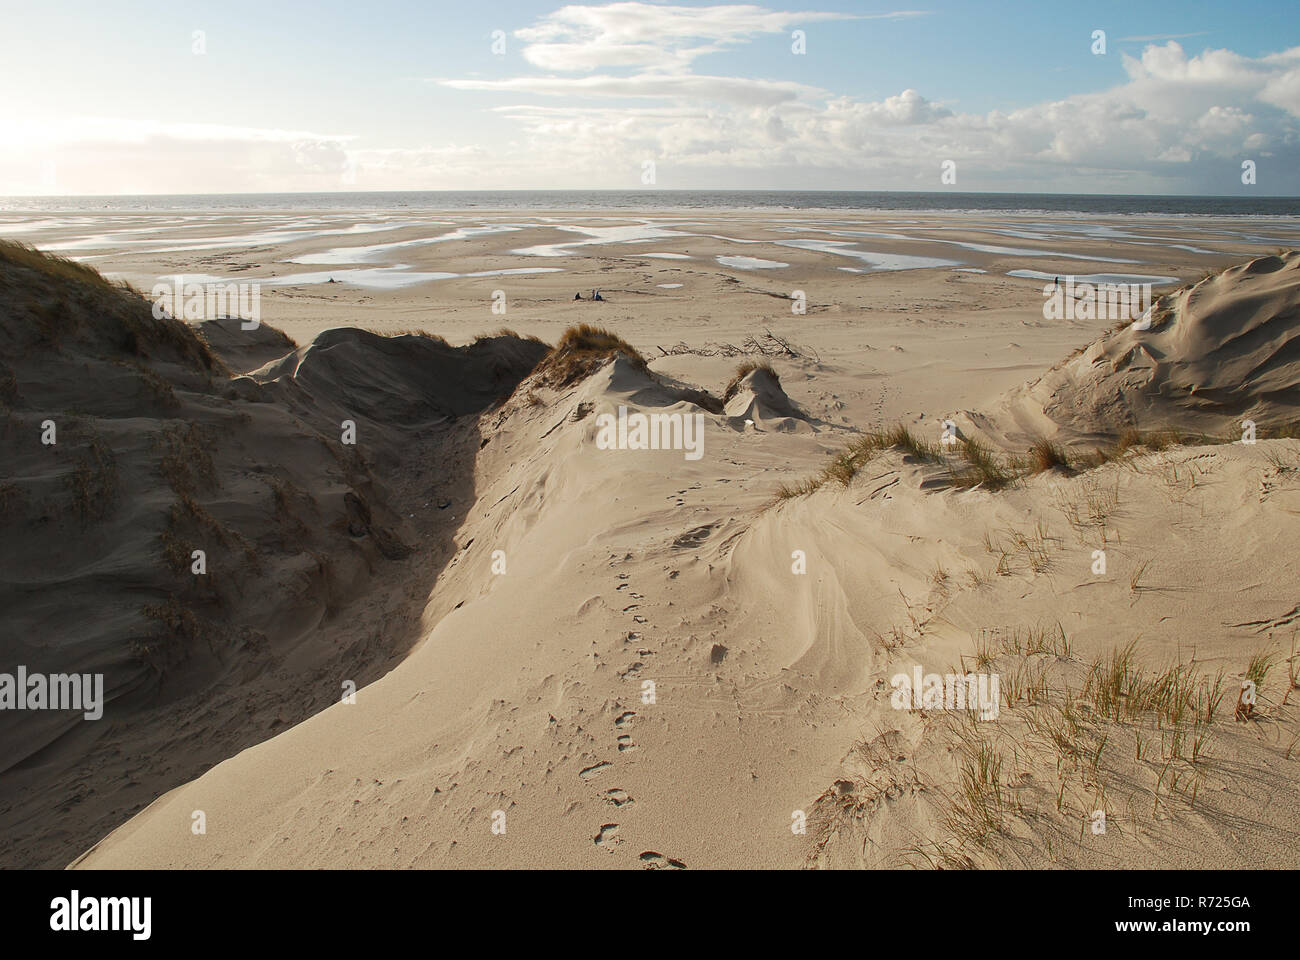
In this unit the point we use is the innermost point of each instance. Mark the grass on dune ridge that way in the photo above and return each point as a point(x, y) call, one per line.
point(971, 463)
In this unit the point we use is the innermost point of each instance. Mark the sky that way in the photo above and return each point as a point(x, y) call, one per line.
point(138, 97)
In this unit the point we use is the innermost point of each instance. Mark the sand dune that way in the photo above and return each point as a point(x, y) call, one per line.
point(1203, 358)
point(768, 632)
point(159, 452)
point(583, 653)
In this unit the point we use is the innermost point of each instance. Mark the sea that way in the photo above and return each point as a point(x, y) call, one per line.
point(668, 200)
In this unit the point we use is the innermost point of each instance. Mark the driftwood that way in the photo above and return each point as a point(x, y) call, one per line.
point(768, 345)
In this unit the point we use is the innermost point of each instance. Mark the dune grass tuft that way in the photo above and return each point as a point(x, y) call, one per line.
point(1044, 455)
point(844, 466)
point(982, 468)
point(581, 351)
point(507, 332)
point(744, 370)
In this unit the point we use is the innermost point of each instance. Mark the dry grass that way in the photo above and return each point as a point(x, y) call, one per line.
point(1292, 671)
point(185, 459)
point(744, 370)
point(1135, 582)
point(978, 806)
point(845, 466)
point(158, 388)
point(188, 513)
point(94, 481)
point(1044, 455)
point(507, 332)
point(982, 468)
point(1118, 689)
point(1015, 549)
point(1052, 760)
point(581, 351)
point(284, 494)
point(1257, 670)
point(65, 299)
point(978, 465)
point(1133, 439)
point(61, 268)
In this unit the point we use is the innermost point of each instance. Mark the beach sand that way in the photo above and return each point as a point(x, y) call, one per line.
point(626, 658)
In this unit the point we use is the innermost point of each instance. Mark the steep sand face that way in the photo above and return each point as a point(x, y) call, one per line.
point(306, 573)
point(1204, 358)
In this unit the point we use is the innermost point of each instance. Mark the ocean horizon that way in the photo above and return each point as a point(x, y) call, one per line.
point(668, 200)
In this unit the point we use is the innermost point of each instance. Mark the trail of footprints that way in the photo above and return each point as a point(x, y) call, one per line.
point(607, 835)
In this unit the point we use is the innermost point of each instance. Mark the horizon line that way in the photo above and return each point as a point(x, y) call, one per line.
point(666, 190)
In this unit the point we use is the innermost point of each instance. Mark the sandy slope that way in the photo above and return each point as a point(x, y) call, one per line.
point(1205, 357)
point(771, 692)
point(308, 579)
point(523, 692)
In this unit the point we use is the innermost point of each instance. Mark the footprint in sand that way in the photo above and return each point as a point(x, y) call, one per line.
point(657, 861)
point(595, 770)
point(624, 739)
point(618, 797)
point(608, 837)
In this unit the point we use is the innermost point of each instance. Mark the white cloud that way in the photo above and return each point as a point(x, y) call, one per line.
point(734, 90)
point(1179, 123)
point(653, 36)
point(619, 90)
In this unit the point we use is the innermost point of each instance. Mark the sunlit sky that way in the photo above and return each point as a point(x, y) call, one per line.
point(233, 97)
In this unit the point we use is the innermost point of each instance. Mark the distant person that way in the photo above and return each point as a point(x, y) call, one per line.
point(595, 295)
point(577, 296)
